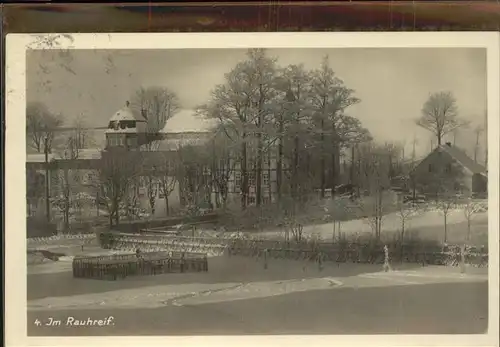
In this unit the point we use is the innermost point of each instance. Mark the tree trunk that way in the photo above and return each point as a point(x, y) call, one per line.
point(334, 171)
point(244, 173)
point(66, 200)
point(322, 165)
point(351, 169)
point(66, 215)
point(335, 159)
point(217, 198)
point(379, 213)
point(279, 163)
point(445, 229)
point(468, 229)
point(402, 230)
point(269, 181)
point(116, 208)
point(295, 176)
point(167, 207)
point(258, 173)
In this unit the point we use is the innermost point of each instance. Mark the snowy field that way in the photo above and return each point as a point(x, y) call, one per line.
point(228, 279)
point(391, 224)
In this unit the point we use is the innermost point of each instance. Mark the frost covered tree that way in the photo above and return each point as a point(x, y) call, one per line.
point(440, 115)
point(329, 100)
point(470, 209)
point(41, 124)
point(243, 105)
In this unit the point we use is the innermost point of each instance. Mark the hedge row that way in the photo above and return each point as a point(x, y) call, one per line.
point(423, 252)
point(136, 226)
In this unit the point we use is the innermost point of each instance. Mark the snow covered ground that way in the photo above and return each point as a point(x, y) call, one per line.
point(202, 293)
point(390, 223)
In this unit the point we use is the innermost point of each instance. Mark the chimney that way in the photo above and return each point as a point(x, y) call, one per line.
point(448, 144)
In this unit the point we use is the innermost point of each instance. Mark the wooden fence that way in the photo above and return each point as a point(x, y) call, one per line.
point(138, 225)
point(154, 263)
point(361, 252)
point(341, 252)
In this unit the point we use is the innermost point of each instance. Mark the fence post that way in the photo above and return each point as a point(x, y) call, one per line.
point(320, 261)
point(265, 258)
point(387, 267)
point(462, 258)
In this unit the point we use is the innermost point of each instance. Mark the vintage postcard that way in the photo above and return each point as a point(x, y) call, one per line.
point(324, 188)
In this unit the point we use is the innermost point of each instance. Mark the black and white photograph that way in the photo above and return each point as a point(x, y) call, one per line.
point(287, 189)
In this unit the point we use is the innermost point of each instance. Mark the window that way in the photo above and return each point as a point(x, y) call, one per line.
point(115, 141)
point(131, 141)
point(237, 181)
point(448, 168)
point(251, 200)
point(129, 123)
point(251, 179)
point(430, 167)
point(266, 178)
point(266, 200)
point(91, 177)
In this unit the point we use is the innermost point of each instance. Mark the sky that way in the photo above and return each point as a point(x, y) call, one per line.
point(392, 83)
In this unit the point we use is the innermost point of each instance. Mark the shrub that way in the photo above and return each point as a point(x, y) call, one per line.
point(37, 227)
point(106, 239)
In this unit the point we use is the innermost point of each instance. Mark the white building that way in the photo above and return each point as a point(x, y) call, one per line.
point(127, 130)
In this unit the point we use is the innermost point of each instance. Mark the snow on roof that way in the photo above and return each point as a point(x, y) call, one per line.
point(121, 131)
point(461, 157)
point(38, 157)
point(126, 113)
point(83, 154)
point(175, 144)
point(89, 153)
point(187, 121)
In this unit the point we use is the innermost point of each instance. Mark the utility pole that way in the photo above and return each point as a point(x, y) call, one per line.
point(455, 132)
point(413, 159)
point(479, 130)
point(47, 189)
point(414, 153)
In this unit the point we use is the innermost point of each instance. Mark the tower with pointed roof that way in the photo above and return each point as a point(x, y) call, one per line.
point(126, 129)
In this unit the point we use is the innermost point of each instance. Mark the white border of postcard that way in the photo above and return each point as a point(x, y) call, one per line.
point(15, 184)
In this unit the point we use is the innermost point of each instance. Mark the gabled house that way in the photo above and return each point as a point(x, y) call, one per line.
point(448, 167)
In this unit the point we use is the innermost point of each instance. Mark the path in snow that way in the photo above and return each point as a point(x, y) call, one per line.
point(199, 293)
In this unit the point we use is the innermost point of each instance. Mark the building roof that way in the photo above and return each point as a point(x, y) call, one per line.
point(187, 121)
point(462, 158)
point(127, 113)
point(38, 157)
point(89, 153)
point(174, 143)
point(121, 131)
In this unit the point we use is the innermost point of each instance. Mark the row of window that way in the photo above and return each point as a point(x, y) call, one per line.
point(123, 124)
point(116, 141)
point(251, 179)
point(252, 200)
point(447, 168)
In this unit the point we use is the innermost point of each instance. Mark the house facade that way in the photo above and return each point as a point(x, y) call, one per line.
point(159, 155)
point(448, 169)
